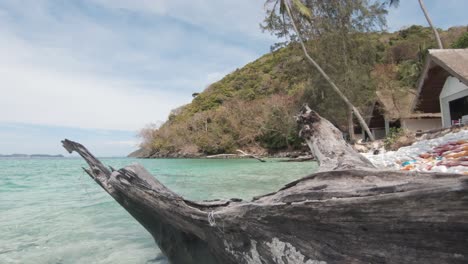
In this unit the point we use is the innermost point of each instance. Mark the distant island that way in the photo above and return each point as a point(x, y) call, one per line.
point(31, 156)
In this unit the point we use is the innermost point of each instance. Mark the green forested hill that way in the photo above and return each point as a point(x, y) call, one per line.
point(253, 107)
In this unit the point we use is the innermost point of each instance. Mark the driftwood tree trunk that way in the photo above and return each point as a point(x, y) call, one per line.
point(328, 145)
point(250, 156)
point(349, 212)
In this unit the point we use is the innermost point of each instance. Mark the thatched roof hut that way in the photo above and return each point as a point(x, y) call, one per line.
point(440, 65)
point(443, 83)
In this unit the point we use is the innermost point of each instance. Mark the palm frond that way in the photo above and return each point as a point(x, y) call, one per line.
point(302, 9)
point(268, 2)
point(272, 14)
point(394, 3)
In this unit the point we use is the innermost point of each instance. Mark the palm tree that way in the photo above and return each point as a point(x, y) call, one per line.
point(428, 18)
point(286, 6)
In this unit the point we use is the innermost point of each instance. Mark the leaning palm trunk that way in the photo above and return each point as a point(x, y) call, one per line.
point(436, 33)
point(329, 80)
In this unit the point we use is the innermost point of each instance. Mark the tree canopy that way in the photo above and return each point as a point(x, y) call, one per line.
point(462, 42)
point(253, 107)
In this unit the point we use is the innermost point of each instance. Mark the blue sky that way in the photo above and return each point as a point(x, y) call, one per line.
point(98, 70)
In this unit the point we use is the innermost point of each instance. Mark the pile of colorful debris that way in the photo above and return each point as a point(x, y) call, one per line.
point(452, 156)
point(448, 153)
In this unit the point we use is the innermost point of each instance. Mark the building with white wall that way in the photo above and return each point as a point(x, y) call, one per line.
point(440, 99)
point(453, 101)
point(442, 94)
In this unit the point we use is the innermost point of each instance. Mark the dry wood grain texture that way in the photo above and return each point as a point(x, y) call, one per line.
point(348, 212)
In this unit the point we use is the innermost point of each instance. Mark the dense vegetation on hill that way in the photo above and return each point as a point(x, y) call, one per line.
point(253, 107)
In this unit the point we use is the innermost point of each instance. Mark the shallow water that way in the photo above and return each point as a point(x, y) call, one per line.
point(52, 212)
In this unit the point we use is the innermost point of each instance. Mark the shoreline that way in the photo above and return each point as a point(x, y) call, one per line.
point(278, 155)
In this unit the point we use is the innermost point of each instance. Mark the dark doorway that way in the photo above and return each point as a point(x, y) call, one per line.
point(395, 124)
point(458, 108)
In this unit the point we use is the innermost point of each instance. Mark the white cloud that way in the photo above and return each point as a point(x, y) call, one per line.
point(39, 96)
point(224, 16)
point(37, 91)
point(129, 143)
point(151, 6)
point(444, 14)
point(215, 76)
point(67, 68)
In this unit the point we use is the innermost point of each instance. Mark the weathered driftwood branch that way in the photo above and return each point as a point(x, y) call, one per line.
point(300, 159)
point(327, 144)
point(250, 155)
point(343, 216)
point(222, 156)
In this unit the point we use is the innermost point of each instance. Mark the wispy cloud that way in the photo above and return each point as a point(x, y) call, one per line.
point(129, 143)
point(220, 17)
point(37, 93)
point(114, 64)
point(31, 139)
point(444, 14)
point(109, 66)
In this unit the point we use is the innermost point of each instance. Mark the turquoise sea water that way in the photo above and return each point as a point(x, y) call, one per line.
point(52, 212)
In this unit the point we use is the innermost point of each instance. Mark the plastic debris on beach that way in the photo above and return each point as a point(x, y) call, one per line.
point(448, 153)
